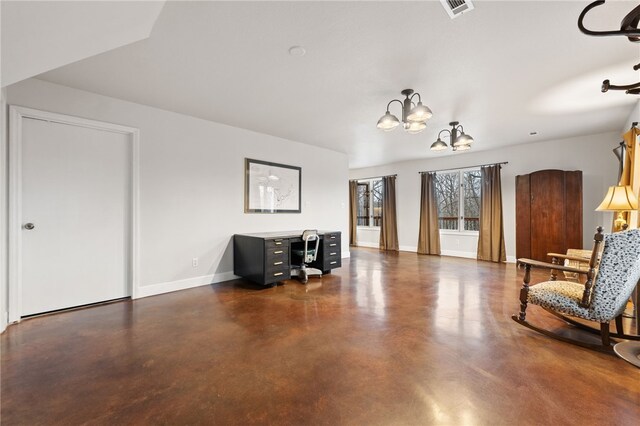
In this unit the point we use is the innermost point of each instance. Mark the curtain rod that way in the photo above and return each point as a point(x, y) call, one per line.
point(466, 167)
point(374, 177)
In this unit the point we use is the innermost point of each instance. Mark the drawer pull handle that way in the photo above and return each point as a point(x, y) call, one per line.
point(334, 253)
point(277, 263)
point(278, 243)
point(333, 237)
point(333, 263)
point(277, 252)
point(277, 274)
point(332, 245)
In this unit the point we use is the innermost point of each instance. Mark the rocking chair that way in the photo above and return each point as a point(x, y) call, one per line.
point(601, 299)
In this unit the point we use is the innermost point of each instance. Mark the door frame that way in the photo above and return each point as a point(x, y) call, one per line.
point(16, 116)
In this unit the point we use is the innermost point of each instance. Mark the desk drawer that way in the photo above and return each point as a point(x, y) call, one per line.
point(331, 263)
point(277, 253)
point(277, 243)
point(275, 276)
point(332, 245)
point(333, 237)
point(277, 265)
point(332, 253)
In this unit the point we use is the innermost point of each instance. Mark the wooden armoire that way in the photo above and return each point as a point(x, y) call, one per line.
point(548, 213)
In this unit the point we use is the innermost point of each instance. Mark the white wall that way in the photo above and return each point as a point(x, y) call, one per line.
point(591, 154)
point(4, 177)
point(191, 184)
point(633, 117)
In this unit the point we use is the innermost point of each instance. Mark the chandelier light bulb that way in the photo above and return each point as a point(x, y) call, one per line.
point(414, 127)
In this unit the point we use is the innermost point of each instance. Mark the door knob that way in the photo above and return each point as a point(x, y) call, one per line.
point(29, 226)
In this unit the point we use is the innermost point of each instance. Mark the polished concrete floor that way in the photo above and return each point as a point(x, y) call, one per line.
point(388, 339)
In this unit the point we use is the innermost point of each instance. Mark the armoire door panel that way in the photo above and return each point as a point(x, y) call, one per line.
point(573, 195)
point(548, 213)
point(523, 217)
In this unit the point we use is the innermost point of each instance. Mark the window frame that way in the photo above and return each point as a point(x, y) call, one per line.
point(369, 183)
point(461, 199)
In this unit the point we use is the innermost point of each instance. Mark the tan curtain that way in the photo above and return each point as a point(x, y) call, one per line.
point(491, 239)
point(353, 212)
point(389, 227)
point(429, 234)
point(628, 168)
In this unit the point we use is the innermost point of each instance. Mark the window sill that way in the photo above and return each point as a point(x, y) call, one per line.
point(368, 228)
point(452, 232)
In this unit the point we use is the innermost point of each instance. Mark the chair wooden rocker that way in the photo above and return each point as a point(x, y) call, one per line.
point(601, 299)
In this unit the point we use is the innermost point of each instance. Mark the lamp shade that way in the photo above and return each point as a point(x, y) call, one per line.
point(619, 198)
point(388, 122)
point(419, 113)
point(463, 139)
point(439, 145)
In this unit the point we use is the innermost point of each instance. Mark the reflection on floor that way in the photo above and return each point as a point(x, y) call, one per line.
point(386, 339)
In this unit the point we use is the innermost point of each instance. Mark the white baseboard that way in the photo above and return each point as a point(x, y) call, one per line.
point(370, 245)
point(470, 255)
point(346, 254)
point(453, 253)
point(160, 288)
point(456, 253)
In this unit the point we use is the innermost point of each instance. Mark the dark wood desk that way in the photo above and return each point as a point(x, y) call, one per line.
point(265, 257)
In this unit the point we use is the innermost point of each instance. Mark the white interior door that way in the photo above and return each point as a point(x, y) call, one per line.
point(76, 192)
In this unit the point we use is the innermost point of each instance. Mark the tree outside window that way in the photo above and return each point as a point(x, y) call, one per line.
point(457, 192)
point(363, 204)
point(370, 202)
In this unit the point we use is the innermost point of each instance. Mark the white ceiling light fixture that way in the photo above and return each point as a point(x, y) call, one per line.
point(297, 51)
point(458, 139)
point(414, 116)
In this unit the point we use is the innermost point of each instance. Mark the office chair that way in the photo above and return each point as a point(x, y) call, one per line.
point(307, 255)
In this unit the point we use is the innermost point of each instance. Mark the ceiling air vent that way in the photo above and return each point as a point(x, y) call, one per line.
point(456, 8)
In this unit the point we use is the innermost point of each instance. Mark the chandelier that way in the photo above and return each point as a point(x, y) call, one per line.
point(458, 139)
point(414, 116)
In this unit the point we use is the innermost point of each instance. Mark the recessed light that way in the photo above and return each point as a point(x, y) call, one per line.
point(533, 133)
point(297, 51)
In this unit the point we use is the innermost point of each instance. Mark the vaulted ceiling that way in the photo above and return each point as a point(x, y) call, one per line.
point(503, 70)
point(38, 36)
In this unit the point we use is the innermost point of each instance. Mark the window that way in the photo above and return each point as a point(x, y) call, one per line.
point(370, 202)
point(458, 199)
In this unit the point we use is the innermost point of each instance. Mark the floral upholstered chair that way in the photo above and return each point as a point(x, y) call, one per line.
point(602, 298)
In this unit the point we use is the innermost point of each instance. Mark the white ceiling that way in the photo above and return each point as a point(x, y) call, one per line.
point(39, 36)
point(503, 70)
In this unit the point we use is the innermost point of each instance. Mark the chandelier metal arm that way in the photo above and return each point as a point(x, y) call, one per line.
point(415, 94)
point(629, 27)
point(606, 86)
point(445, 131)
point(395, 100)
